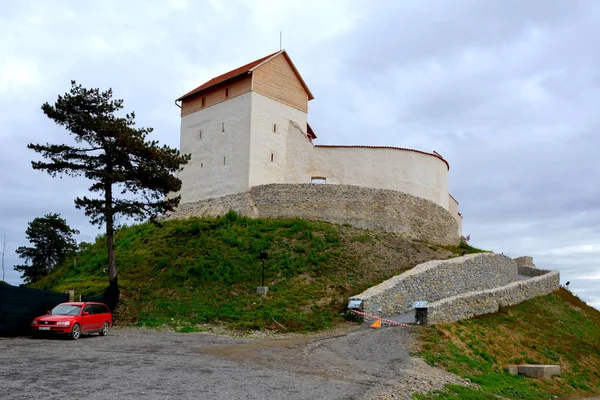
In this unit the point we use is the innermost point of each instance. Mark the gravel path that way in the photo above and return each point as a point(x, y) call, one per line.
point(354, 363)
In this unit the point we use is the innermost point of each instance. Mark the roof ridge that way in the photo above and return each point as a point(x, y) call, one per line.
point(231, 74)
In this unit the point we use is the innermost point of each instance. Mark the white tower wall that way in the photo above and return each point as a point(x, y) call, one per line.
point(218, 138)
point(270, 125)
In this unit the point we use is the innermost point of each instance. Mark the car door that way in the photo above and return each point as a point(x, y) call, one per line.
point(98, 316)
point(105, 315)
point(87, 318)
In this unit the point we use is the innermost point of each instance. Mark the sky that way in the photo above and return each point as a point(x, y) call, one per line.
point(507, 91)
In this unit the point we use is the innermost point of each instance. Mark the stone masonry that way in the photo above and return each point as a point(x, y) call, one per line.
point(366, 208)
point(459, 288)
point(489, 301)
point(525, 260)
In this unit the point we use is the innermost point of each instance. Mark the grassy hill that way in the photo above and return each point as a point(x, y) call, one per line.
point(184, 273)
point(189, 272)
point(555, 329)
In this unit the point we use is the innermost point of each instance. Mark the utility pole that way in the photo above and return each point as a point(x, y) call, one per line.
point(4, 250)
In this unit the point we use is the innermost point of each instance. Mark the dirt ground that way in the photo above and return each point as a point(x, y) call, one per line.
point(352, 363)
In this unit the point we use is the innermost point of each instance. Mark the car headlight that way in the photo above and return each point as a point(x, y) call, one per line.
point(34, 322)
point(63, 323)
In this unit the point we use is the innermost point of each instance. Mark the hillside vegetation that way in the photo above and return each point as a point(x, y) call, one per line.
point(188, 272)
point(185, 273)
point(555, 329)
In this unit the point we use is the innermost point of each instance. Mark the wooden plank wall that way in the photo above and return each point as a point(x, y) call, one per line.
point(216, 95)
point(276, 79)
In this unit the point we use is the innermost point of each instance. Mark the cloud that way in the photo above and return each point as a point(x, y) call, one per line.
point(507, 91)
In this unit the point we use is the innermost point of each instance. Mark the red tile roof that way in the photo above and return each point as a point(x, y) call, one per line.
point(228, 75)
point(244, 69)
point(388, 147)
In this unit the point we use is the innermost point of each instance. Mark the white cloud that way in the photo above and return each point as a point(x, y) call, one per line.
point(578, 249)
point(508, 91)
point(18, 76)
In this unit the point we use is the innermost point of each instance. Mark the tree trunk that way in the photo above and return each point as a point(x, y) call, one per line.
point(110, 235)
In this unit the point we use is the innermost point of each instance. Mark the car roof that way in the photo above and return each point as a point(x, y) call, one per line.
point(80, 303)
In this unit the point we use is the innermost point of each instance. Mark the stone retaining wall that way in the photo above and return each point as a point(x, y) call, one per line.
point(241, 203)
point(530, 271)
point(366, 208)
point(489, 301)
point(459, 288)
point(439, 279)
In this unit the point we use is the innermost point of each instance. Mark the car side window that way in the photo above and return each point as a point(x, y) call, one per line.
point(98, 309)
point(104, 309)
point(88, 309)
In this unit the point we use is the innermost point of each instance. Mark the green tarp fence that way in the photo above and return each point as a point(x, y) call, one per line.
point(110, 297)
point(20, 305)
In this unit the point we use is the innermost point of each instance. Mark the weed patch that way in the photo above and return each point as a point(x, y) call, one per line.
point(555, 329)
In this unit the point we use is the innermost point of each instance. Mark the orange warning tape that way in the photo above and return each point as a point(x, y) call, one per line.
point(387, 321)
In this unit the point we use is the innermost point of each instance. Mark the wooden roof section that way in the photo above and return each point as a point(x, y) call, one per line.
point(247, 69)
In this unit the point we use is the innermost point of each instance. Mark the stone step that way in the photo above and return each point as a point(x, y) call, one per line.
point(534, 370)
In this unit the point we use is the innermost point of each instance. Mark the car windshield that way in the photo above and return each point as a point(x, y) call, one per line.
point(65, 309)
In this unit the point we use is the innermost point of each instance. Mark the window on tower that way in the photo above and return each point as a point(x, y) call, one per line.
point(226, 92)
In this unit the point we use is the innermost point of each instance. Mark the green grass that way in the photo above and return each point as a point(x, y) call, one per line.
point(466, 248)
point(555, 329)
point(207, 270)
point(181, 274)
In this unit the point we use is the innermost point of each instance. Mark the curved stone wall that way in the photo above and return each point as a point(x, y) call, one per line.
point(439, 279)
point(360, 207)
point(418, 173)
point(489, 301)
point(459, 288)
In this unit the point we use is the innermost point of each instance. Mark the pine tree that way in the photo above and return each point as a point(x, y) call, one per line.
point(52, 241)
point(115, 156)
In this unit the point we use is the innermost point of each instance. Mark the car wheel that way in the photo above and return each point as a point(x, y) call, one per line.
point(76, 332)
point(104, 330)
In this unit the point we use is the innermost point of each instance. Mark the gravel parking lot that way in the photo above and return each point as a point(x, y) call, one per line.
point(353, 363)
point(136, 363)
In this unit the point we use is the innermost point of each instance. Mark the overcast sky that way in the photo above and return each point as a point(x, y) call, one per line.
point(507, 91)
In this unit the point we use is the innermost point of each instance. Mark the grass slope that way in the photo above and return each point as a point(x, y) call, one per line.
point(555, 329)
point(194, 271)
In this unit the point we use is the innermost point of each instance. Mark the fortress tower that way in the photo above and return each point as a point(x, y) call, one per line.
point(236, 127)
point(248, 128)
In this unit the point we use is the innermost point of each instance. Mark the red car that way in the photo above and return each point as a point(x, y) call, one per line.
point(75, 319)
